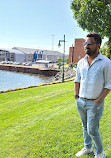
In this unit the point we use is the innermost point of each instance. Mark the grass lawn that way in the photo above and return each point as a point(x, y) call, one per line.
point(43, 122)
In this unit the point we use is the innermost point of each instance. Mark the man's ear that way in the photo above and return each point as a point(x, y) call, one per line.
point(99, 45)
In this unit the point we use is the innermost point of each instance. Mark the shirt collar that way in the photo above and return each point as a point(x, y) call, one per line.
point(100, 56)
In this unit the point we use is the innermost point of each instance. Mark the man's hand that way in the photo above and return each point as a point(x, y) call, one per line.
point(97, 101)
point(76, 96)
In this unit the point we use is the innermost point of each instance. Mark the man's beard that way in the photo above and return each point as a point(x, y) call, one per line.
point(91, 52)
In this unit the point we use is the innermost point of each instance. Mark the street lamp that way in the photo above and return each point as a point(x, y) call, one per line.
point(59, 44)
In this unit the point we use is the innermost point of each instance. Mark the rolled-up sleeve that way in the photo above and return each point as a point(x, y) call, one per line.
point(78, 76)
point(107, 76)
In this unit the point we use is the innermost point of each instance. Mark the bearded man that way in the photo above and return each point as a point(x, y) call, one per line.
point(92, 84)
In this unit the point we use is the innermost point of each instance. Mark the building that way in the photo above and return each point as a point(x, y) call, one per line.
point(6, 56)
point(38, 54)
point(11, 55)
point(77, 52)
point(19, 54)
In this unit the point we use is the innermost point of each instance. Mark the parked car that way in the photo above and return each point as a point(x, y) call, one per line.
point(4, 62)
point(27, 64)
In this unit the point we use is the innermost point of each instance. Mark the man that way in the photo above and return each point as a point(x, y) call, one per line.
point(92, 85)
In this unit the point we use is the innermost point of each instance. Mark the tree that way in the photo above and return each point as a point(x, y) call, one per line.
point(94, 15)
point(61, 60)
point(104, 50)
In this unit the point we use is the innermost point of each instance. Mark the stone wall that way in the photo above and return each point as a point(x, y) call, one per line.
point(69, 73)
point(25, 69)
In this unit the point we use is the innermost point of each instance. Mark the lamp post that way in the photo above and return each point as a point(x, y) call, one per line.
point(63, 56)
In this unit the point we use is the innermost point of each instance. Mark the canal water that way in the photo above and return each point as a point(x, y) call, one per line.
point(12, 80)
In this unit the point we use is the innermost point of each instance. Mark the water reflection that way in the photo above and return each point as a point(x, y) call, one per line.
point(12, 80)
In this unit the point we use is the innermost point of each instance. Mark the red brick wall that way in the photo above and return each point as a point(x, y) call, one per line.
point(71, 54)
point(77, 52)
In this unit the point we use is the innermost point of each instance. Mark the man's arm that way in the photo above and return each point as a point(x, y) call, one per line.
point(76, 89)
point(102, 96)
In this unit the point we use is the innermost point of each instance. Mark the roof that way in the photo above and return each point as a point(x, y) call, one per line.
point(31, 51)
point(20, 50)
point(25, 50)
point(12, 51)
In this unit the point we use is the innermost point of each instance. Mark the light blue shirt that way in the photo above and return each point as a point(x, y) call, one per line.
point(93, 78)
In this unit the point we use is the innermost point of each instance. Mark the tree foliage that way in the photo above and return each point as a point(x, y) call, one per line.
point(104, 50)
point(61, 60)
point(94, 15)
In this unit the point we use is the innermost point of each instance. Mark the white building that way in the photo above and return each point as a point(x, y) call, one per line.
point(39, 54)
point(19, 54)
point(12, 55)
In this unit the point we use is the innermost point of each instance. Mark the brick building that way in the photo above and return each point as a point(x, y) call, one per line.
point(76, 52)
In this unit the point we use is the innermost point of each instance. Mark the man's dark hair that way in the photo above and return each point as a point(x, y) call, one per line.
point(97, 38)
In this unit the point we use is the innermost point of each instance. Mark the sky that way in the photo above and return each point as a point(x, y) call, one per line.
point(38, 24)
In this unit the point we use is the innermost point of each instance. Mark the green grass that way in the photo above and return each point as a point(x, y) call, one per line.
point(43, 122)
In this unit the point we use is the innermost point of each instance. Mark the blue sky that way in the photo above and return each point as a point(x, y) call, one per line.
point(37, 24)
